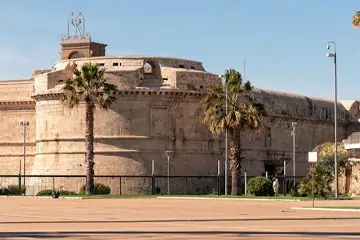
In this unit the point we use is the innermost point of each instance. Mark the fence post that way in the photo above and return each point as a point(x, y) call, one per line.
point(153, 177)
point(284, 178)
point(19, 183)
point(245, 179)
point(119, 185)
point(218, 179)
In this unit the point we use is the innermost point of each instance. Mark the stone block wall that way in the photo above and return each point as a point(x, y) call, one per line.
point(16, 90)
point(124, 79)
point(195, 80)
point(132, 133)
point(12, 140)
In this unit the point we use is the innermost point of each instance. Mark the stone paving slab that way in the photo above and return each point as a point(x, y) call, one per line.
point(151, 218)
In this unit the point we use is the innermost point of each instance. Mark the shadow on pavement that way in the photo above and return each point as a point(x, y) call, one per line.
point(65, 234)
point(181, 220)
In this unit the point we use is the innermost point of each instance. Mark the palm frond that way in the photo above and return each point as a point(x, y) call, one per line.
point(356, 20)
point(89, 85)
point(243, 112)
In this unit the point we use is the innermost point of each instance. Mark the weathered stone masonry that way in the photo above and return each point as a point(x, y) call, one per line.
point(158, 108)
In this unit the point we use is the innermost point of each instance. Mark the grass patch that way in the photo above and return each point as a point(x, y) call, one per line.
point(280, 197)
point(108, 196)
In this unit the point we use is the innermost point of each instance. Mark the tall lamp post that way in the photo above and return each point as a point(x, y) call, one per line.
point(226, 142)
point(293, 134)
point(333, 55)
point(24, 124)
point(168, 154)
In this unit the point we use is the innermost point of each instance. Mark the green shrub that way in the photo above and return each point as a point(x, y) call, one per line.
point(48, 192)
point(294, 191)
point(4, 191)
point(99, 189)
point(260, 186)
point(14, 190)
point(322, 180)
point(65, 192)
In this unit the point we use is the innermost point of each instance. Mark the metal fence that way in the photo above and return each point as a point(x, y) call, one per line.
point(136, 185)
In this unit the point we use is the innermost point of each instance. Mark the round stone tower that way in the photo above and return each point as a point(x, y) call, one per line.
point(158, 109)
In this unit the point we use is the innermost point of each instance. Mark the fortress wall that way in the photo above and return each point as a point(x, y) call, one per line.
point(16, 90)
point(41, 83)
point(275, 137)
point(132, 133)
point(11, 142)
point(286, 104)
point(354, 112)
point(313, 128)
point(175, 63)
point(169, 74)
point(124, 79)
point(131, 61)
point(190, 80)
point(58, 77)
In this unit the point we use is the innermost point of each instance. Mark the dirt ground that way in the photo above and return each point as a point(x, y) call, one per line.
point(150, 218)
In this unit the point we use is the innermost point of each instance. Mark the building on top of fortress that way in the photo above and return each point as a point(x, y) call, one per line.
point(158, 110)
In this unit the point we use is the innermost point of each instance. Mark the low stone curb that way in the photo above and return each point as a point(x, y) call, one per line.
point(2, 196)
point(327, 209)
point(235, 199)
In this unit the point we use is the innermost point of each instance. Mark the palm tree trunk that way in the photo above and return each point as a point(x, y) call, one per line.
point(235, 165)
point(89, 146)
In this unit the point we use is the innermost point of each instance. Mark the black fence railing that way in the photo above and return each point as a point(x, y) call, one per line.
point(136, 185)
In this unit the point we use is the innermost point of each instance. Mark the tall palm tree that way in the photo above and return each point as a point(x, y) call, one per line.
point(90, 87)
point(356, 20)
point(243, 113)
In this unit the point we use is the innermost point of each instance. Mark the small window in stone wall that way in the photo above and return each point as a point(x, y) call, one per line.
point(181, 66)
point(100, 64)
point(192, 67)
point(116, 64)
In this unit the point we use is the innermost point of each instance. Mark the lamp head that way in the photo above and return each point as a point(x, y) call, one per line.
point(330, 55)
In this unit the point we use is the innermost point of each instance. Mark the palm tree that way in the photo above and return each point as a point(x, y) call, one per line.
point(90, 87)
point(356, 20)
point(243, 113)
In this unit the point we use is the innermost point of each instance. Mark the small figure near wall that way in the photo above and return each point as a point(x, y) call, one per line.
point(276, 186)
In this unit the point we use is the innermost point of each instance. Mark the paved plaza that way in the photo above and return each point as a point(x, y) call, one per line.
point(151, 218)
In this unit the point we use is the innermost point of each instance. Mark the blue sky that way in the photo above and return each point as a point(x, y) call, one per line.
point(282, 41)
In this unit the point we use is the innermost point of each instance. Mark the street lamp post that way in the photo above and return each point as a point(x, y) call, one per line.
point(24, 124)
point(333, 55)
point(293, 134)
point(226, 142)
point(168, 154)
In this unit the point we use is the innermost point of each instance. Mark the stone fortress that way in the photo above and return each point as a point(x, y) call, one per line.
point(158, 109)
